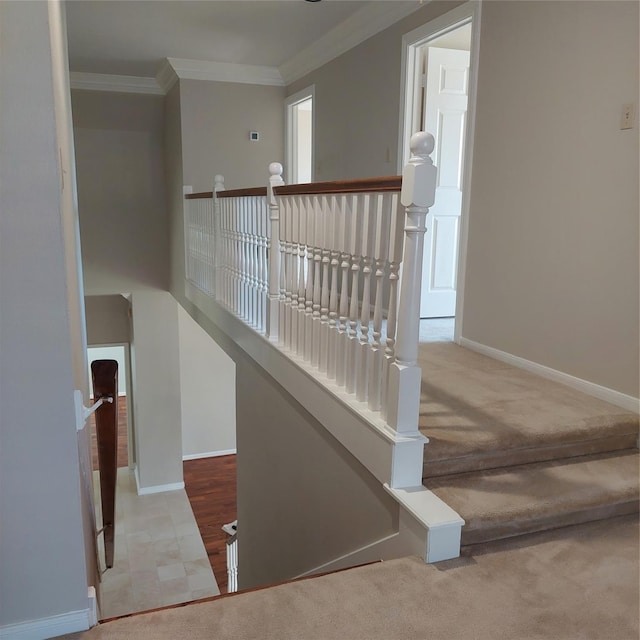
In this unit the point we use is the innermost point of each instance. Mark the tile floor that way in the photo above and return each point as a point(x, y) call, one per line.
point(159, 556)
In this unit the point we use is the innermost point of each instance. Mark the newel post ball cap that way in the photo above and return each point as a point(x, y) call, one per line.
point(422, 144)
point(218, 178)
point(275, 169)
point(419, 174)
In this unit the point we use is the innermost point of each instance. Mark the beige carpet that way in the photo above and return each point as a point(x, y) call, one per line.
point(573, 583)
point(479, 413)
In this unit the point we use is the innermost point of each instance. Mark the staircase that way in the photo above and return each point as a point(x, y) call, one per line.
point(514, 453)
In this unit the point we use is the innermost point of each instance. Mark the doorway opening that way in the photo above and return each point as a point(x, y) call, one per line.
point(299, 131)
point(439, 74)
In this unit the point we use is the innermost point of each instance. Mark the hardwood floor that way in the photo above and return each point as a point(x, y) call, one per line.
point(123, 460)
point(211, 487)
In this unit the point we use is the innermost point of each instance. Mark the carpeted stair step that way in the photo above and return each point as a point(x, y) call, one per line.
point(502, 503)
point(480, 413)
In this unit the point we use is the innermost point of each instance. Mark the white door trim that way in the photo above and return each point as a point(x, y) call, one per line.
point(411, 42)
point(289, 138)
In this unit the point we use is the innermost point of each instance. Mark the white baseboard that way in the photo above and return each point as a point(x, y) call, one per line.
point(93, 607)
point(362, 555)
point(50, 627)
point(158, 488)
point(590, 388)
point(210, 454)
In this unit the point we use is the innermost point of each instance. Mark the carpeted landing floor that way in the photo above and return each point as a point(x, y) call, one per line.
point(575, 583)
point(514, 453)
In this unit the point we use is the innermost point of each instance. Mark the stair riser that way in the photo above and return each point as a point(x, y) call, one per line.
point(511, 458)
point(471, 536)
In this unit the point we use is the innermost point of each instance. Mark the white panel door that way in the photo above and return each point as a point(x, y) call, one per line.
point(445, 108)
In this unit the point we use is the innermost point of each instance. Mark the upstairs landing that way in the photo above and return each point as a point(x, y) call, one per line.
point(514, 453)
point(580, 582)
point(480, 413)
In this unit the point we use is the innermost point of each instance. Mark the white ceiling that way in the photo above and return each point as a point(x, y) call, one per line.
point(132, 37)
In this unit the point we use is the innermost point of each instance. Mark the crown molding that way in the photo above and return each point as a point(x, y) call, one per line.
point(106, 82)
point(175, 68)
point(363, 24)
point(166, 76)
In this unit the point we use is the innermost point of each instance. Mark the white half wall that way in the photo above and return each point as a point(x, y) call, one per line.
point(207, 390)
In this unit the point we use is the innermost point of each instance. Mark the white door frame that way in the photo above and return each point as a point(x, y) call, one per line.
point(411, 43)
point(289, 138)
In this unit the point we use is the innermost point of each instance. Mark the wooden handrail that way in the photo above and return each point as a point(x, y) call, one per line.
point(237, 193)
point(385, 183)
point(199, 196)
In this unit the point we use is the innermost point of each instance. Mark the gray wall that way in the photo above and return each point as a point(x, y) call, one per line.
point(42, 551)
point(357, 103)
point(108, 320)
point(216, 120)
point(155, 360)
point(552, 270)
point(207, 391)
point(303, 500)
point(121, 191)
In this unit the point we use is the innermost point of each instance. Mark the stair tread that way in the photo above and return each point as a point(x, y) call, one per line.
point(525, 498)
point(473, 405)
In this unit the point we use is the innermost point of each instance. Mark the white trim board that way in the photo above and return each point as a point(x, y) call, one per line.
point(357, 28)
point(181, 68)
point(290, 102)
point(470, 12)
point(590, 388)
point(50, 627)
point(121, 84)
point(210, 454)
point(158, 488)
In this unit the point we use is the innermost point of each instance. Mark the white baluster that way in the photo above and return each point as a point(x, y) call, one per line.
point(241, 266)
point(395, 256)
point(334, 227)
point(308, 292)
point(186, 212)
point(365, 311)
point(283, 276)
point(357, 215)
point(418, 194)
point(302, 258)
point(295, 267)
point(255, 261)
point(273, 311)
point(264, 265)
point(317, 259)
point(344, 229)
point(324, 295)
point(218, 186)
point(288, 248)
point(238, 306)
point(381, 252)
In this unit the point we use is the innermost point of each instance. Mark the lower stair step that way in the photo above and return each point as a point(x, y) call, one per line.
point(502, 503)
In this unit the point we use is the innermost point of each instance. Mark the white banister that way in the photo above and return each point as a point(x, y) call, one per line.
point(315, 268)
point(417, 195)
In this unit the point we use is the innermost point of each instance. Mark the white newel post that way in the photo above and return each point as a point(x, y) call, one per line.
point(418, 194)
point(275, 180)
point(218, 185)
